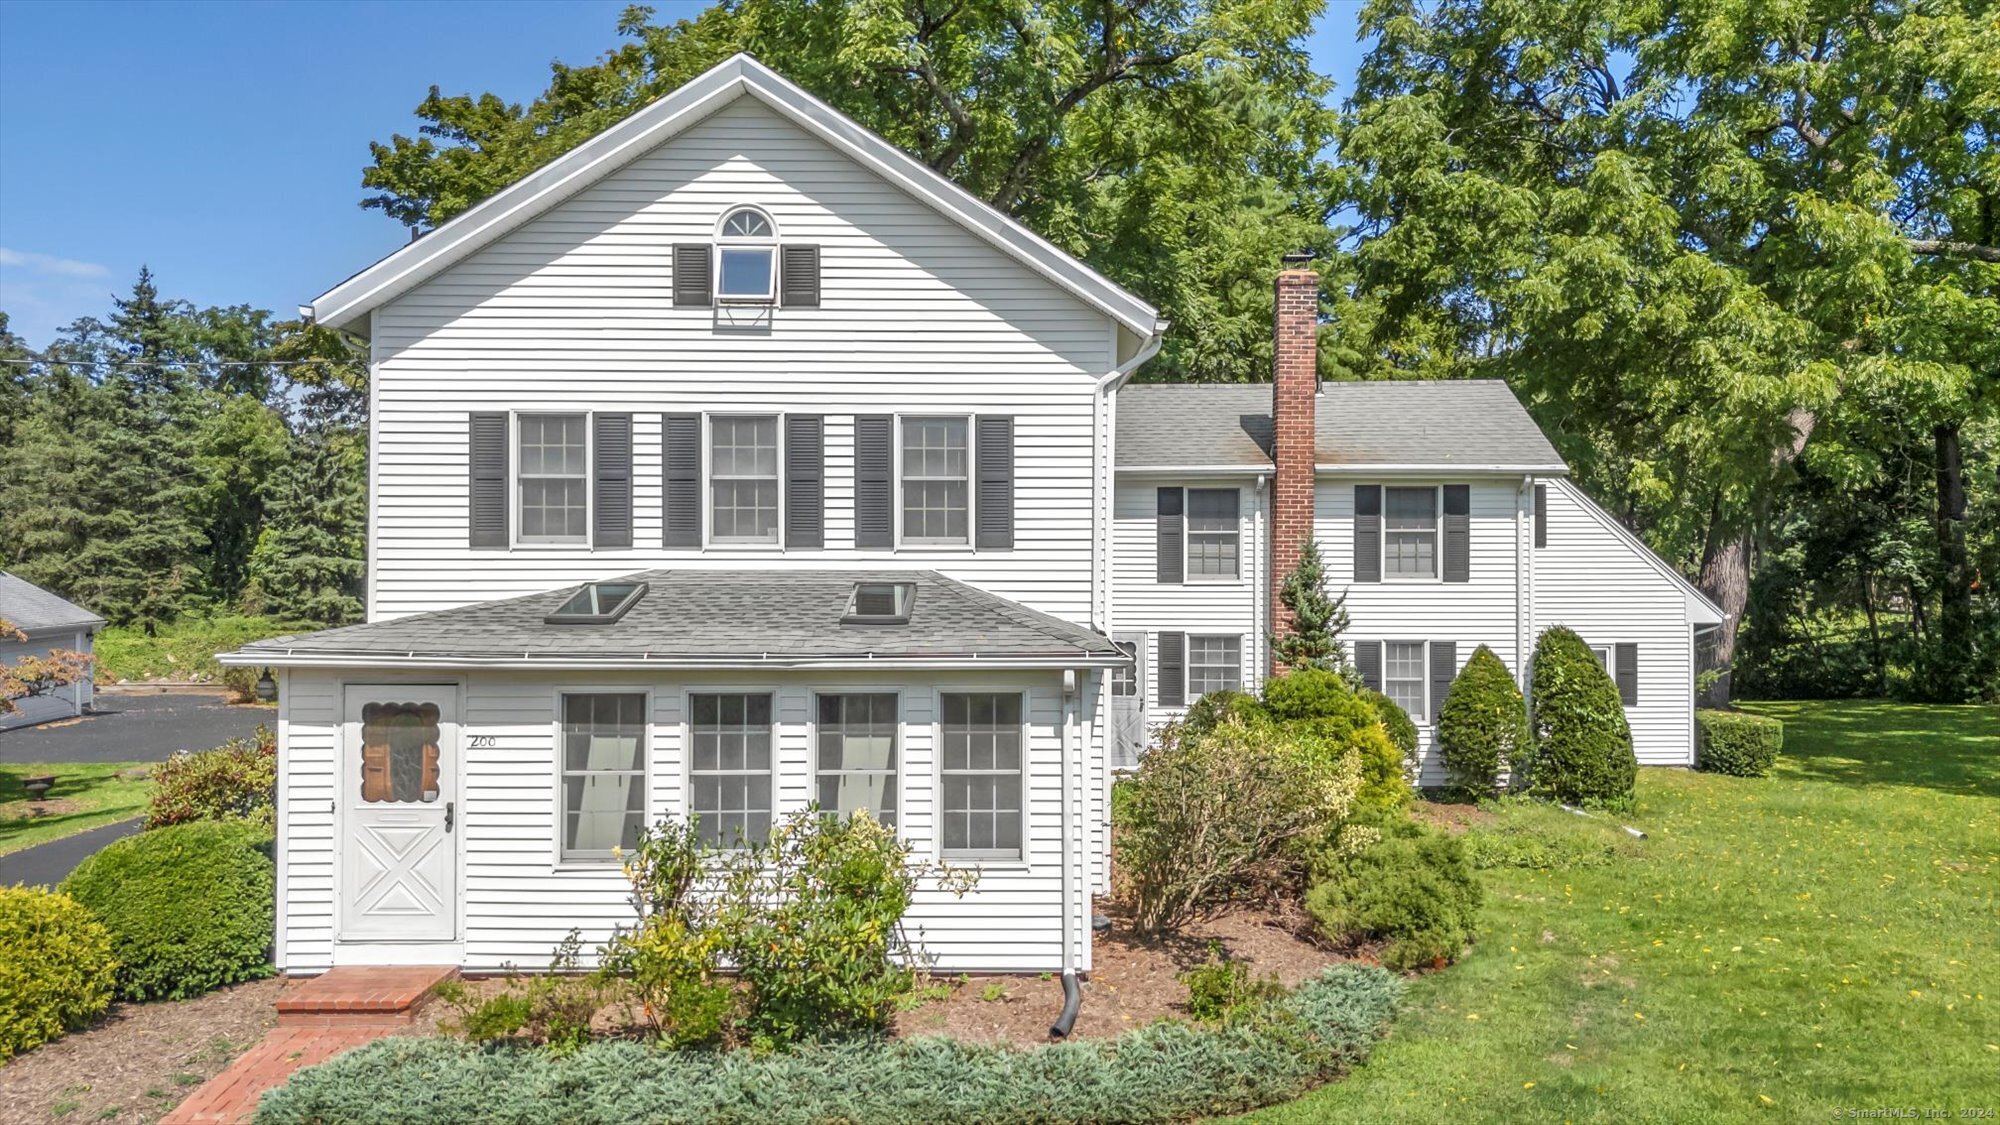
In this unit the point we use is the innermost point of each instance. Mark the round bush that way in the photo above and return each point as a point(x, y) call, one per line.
point(1212, 708)
point(55, 968)
point(1322, 705)
point(1414, 891)
point(1583, 747)
point(237, 779)
point(1395, 720)
point(1737, 743)
point(190, 908)
point(1483, 726)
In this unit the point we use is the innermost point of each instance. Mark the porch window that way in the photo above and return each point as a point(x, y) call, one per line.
point(730, 768)
point(981, 781)
point(603, 773)
point(936, 458)
point(743, 480)
point(856, 741)
point(554, 482)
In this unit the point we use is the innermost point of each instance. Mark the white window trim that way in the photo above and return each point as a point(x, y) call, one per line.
point(902, 770)
point(647, 753)
point(1188, 576)
point(1187, 664)
point(1423, 716)
point(768, 244)
point(687, 770)
point(1437, 533)
point(1021, 861)
point(904, 543)
point(589, 482)
point(708, 536)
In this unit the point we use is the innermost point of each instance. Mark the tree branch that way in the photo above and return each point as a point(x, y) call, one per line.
point(1947, 248)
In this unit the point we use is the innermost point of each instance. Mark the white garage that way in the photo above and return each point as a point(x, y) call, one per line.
point(49, 623)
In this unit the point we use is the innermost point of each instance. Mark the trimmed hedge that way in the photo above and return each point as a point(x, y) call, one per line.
point(1326, 706)
point(56, 969)
point(1483, 726)
point(190, 908)
point(1414, 891)
point(1583, 745)
point(1737, 743)
point(1168, 1071)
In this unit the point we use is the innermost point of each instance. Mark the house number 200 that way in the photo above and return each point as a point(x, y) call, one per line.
point(484, 741)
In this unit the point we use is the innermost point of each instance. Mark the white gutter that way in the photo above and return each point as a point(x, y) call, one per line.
point(289, 658)
point(1203, 470)
point(1502, 470)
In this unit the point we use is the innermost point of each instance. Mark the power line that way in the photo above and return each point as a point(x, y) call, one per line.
point(32, 361)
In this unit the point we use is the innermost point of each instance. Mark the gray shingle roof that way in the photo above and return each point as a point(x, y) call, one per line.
point(33, 609)
point(718, 617)
point(1447, 423)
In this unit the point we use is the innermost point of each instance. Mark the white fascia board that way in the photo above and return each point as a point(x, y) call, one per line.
point(1196, 470)
point(247, 659)
point(740, 74)
point(1555, 470)
point(1701, 611)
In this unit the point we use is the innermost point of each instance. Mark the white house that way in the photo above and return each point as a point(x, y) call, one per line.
point(735, 461)
point(45, 623)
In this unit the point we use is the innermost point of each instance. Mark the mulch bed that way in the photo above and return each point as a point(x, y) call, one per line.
point(140, 1060)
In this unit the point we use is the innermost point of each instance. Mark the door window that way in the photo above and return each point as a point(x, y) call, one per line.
point(399, 752)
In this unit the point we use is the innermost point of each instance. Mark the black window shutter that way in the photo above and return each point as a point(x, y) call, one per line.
point(1171, 563)
point(798, 277)
point(994, 507)
point(1626, 657)
point(805, 481)
point(1541, 515)
point(1368, 661)
point(694, 274)
point(611, 493)
point(874, 507)
point(681, 502)
point(1368, 533)
point(1458, 533)
point(487, 457)
point(1444, 666)
point(1171, 667)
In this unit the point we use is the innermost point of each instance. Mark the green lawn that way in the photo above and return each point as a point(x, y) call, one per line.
point(84, 797)
point(184, 650)
point(1777, 949)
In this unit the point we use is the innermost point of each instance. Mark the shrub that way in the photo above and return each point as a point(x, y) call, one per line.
point(241, 683)
point(189, 908)
point(1413, 891)
point(1221, 990)
point(1737, 743)
point(1583, 747)
point(1215, 814)
point(553, 1010)
point(1324, 705)
point(238, 779)
point(1396, 721)
point(1216, 706)
point(1483, 726)
point(56, 970)
point(1166, 1072)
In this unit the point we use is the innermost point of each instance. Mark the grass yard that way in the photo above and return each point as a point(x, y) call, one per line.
point(84, 797)
point(184, 650)
point(1779, 949)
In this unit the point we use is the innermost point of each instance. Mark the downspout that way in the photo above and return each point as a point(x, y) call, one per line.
point(1260, 642)
point(1104, 426)
point(1524, 586)
point(1071, 913)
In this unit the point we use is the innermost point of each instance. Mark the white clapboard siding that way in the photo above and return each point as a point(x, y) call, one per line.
point(1141, 603)
point(67, 701)
point(1597, 582)
point(573, 312)
point(520, 901)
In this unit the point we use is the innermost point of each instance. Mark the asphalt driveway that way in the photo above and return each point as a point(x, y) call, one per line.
point(137, 726)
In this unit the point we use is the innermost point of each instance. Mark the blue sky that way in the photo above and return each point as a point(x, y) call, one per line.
point(222, 143)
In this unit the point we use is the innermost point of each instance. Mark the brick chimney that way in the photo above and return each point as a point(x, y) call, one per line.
point(1294, 397)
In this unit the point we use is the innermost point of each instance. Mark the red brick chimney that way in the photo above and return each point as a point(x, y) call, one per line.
point(1294, 396)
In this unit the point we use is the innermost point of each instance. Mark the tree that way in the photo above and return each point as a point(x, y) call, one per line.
point(1317, 618)
point(1710, 241)
point(37, 675)
point(1176, 146)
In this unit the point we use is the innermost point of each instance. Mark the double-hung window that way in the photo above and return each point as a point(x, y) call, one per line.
point(603, 773)
point(1213, 533)
point(1405, 677)
point(936, 497)
point(981, 779)
point(856, 738)
point(743, 479)
point(729, 767)
point(1214, 664)
point(553, 483)
point(1410, 532)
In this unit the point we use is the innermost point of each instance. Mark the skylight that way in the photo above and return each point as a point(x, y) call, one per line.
point(598, 603)
point(880, 603)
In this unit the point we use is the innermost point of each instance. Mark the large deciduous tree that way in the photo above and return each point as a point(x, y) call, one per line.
point(1173, 144)
point(1711, 241)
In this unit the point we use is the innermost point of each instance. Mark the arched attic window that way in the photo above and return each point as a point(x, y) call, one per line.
point(746, 257)
point(745, 264)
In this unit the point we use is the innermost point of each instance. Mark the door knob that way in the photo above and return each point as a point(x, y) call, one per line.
point(447, 816)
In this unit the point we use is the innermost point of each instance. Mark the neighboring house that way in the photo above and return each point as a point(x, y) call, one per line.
point(733, 461)
point(48, 623)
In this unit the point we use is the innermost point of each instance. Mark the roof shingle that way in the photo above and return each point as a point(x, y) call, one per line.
point(33, 609)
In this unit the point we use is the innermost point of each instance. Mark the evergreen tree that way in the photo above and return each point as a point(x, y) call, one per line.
point(1318, 618)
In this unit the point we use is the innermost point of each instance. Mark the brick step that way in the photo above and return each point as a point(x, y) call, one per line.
point(361, 996)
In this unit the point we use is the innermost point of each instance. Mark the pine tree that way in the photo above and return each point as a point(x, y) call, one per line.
point(1318, 618)
point(309, 560)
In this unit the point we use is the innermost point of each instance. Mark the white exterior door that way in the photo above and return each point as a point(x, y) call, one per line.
point(398, 801)
point(1128, 704)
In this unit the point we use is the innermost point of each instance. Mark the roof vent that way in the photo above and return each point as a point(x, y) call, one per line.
point(880, 603)
point(598, 603)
